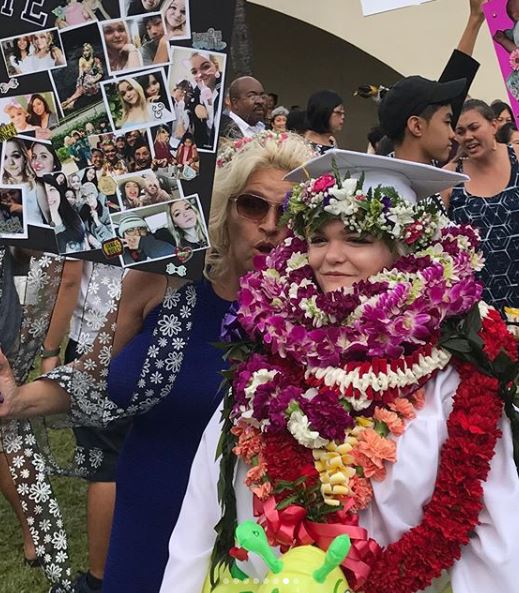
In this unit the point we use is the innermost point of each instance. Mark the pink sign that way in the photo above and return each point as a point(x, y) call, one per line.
point(503, 21)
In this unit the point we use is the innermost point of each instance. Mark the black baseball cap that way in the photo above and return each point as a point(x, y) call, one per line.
point(411, 96)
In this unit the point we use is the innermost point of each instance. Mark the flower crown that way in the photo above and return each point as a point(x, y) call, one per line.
point(380, 212)
point(227, 154)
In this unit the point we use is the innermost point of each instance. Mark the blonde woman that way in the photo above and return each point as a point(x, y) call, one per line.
point(185, 226)
point(46, 55)
point(18, 116)
point(136, 110)
point(90, 71)
point(175, 18)
point(17, 170)
point(122, 54)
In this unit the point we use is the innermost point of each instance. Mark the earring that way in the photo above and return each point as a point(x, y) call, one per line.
point(217, 75)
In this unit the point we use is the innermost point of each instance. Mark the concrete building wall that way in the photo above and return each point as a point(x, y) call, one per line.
point(302, 45)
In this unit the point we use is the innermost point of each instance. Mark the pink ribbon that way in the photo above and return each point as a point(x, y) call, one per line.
point(289, 528)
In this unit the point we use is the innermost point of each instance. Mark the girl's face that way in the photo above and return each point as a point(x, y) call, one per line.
point(22, 43)
point(116, 36)
point(89, 128)
point(153, 86)
point(90, 174)
point(53, 196)
point(150, 5)
point(38, 106)
point(71, 197)
point(120, 143)
point(183, 215)
point(336, 121)
point(87, 52)
point(41, 41)
point(475, 134)
point(176, 14)
point(132, 190)
point(74, 182)
point(42, 160)
point(178, 94)
point(61, 179)
point(14, 161)
point(19, 118)
point(504, 118)
point(91, 199)
point(340, 258)
point(188, 143)
point(128, 94)
point(203, 70)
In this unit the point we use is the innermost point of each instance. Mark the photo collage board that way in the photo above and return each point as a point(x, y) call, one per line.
point(109, 120)
point(504, 28)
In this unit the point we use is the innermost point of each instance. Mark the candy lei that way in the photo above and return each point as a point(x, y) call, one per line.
point(315, 425)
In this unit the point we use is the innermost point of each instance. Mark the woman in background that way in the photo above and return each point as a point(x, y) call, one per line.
point(489, 201)
point(44, 159)
point(91, 72)
point(324, 118)
point(41, 116)
point(175, 19)
point(20, 59)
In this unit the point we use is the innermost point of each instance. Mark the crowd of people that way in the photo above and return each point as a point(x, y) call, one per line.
point(361, 297)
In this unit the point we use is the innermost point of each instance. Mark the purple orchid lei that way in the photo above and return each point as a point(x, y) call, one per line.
point(388, 315)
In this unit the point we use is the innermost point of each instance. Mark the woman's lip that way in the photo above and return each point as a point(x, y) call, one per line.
point(337, 274)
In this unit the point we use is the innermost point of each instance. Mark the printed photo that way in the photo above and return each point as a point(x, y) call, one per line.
point(196, 83)
point(136, 229)
point(26, 162)
point(135, 43)
point(32, 115)
point(70, 139)
point(142, 100)
point(503, 21)
point(176, 19)
point(37, 52)
point(69, 229)
point(161, 230)
point(176, 157)
point(78, 84)
point(13, 218)
point(74, 13)
point(135, 191)
point(141, 7)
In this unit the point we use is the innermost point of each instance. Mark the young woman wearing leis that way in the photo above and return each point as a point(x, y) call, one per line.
point(367, 399)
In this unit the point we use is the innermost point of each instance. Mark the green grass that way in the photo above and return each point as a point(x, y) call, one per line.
point(71, 494)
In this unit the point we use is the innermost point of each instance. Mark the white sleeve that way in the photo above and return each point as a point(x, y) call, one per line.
point(489, 562)
point(193, 538)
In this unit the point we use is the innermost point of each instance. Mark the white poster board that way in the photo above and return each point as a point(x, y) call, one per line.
point(370, 7)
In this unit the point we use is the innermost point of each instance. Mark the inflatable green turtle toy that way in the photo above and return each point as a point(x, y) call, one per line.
point(304, 569)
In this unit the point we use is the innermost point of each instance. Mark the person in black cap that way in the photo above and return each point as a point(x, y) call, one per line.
point(418, 115)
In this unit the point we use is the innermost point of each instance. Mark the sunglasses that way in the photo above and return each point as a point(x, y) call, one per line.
point(256, 208)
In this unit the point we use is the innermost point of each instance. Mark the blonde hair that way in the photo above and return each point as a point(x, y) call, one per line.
point(27, 175)
point(177, 232)
point(265, 151)
point(142, 105)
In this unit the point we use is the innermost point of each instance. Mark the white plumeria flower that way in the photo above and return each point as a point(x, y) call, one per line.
point(299, 427)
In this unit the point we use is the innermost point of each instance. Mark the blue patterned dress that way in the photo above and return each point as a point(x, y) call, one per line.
point(497, 220)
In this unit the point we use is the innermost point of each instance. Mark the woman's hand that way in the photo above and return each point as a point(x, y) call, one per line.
point(57, 56)
point(9, 390)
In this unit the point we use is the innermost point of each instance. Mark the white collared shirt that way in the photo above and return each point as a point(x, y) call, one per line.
point(246, 129)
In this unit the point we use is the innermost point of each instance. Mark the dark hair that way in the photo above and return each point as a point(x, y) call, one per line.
point(16, 49)
point(375, 135)
point(499, 106)
point(274, 96)
point(296, 121)
point(152, 18)
point(504, 134)
point(319, 109)
point(481, 107)
point(86, 213)
point(35, 120)
point(385, 146)
point(97, 150)
point(55, 158)
point(69, 216)
point(86, 180)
